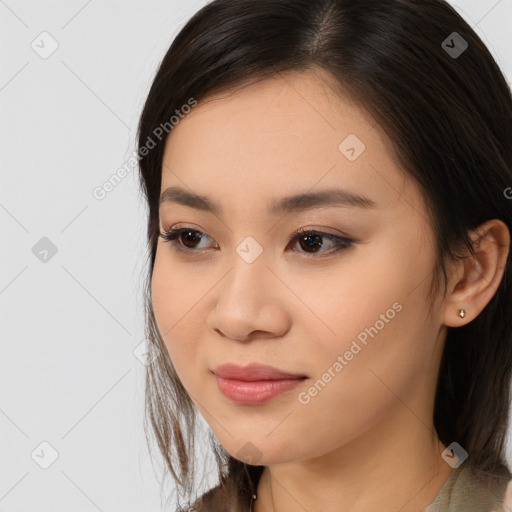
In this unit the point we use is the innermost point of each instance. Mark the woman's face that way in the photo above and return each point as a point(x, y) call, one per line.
point(351, 318)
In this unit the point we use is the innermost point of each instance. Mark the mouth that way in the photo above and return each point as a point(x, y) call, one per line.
point(254, 372)
point(254, 384)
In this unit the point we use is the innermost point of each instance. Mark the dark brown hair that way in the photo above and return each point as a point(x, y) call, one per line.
point(450, 122)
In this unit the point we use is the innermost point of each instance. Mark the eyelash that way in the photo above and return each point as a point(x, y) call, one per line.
point(171, 236)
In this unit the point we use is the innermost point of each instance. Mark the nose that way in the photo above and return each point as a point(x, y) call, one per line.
point(250, 302)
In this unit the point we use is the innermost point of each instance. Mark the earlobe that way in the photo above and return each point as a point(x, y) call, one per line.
point(461, 313)
point(478, 277)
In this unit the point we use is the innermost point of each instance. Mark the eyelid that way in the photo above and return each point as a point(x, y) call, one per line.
point(305, 229)
point(342, 242)
point(320, 231)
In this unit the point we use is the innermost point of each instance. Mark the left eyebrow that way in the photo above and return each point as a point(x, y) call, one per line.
point(289, 204)
point(328, 197)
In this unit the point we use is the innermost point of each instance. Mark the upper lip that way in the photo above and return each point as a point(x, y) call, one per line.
point(253, 371)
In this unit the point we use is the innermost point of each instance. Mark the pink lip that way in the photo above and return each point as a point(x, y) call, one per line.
point(253, 371)
point(255, 383)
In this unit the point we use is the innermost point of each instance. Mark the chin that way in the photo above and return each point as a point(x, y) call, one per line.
point(261, 452)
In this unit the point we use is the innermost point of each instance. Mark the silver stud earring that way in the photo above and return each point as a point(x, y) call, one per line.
point(461, 313)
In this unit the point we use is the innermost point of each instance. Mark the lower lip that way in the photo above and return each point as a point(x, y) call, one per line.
point(254, 392)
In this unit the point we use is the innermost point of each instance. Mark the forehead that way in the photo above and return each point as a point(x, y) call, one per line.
point(289, 132)
point(288, 107)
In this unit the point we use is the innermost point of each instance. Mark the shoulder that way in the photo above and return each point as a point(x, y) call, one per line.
point(217, 500)
point(211, 501)
point(469, 490)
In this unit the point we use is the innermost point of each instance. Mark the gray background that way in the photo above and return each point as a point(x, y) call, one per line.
point(71, 323)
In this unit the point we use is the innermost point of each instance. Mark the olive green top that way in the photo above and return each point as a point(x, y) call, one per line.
point(467, 491)
point(463, 491)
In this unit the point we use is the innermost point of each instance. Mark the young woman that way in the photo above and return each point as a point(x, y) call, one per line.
point(329, 185)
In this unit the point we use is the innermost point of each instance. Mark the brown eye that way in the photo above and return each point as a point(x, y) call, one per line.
point(189, 237)
point(183, 239)
point(313, 241)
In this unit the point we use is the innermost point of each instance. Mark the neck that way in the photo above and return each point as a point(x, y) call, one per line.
point(388, 469)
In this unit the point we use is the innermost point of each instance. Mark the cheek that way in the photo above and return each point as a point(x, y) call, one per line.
point(353, 297)
point(376, 314)
point(174, 305)
point(163, 295)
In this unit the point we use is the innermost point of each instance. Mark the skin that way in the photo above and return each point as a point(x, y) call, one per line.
point(366, 441)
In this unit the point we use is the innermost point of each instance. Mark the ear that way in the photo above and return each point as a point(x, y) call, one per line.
point(476, 279)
